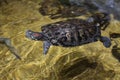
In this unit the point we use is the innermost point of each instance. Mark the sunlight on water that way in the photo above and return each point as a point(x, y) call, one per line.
point(91, 61)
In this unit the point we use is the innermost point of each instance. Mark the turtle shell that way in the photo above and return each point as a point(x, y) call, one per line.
point(72, 32)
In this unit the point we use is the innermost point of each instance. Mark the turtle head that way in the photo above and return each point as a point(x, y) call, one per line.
point(35, 35)
point(100, 19)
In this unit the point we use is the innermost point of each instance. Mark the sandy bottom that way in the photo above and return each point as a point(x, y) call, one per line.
point(88, 62)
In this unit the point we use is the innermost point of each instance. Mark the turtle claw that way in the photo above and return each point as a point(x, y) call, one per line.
point(46, 46)
point(106, 41)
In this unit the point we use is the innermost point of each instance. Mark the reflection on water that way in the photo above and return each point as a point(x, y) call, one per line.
point(91, 61)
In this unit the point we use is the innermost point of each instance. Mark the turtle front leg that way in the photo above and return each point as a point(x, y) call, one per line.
point(7, 42)
point(106, 41)
point(46, 46)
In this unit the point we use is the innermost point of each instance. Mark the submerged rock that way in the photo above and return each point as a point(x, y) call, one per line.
point(73, 8)
point(110, 6)
point(59, 8)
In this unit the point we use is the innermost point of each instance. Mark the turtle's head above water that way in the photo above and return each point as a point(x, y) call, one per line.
point(34, 35)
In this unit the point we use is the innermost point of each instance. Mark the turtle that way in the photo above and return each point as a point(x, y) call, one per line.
point(72, 32)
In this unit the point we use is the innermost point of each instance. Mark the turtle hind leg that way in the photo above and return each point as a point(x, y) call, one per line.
point(46, 46)
point(106, 41)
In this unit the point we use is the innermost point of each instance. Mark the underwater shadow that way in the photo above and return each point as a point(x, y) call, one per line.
point(116, 52)
point(3, 2)
point(77, 68)
point(115, 49)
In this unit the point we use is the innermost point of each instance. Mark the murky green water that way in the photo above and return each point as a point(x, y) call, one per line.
point(88, 62)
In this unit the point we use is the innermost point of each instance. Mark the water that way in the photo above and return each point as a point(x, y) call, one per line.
point(91, 61)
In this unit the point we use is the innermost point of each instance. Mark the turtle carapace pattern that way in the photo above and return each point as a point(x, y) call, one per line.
point(72, 32)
